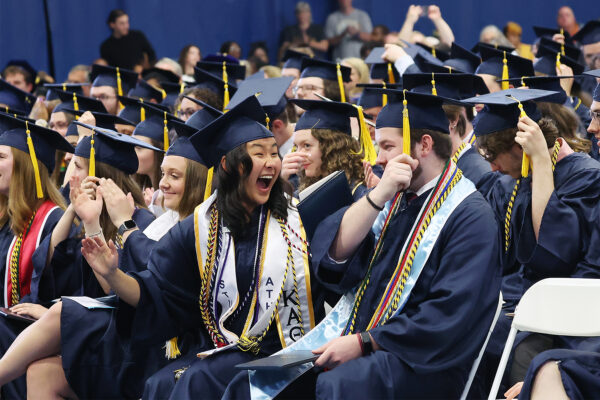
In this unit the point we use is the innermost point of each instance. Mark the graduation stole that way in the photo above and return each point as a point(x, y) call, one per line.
point(280, 291)
point(19, 263)
point(413, 254)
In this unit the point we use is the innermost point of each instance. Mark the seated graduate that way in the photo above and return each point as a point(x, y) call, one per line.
point(254, 290)
point(105, 155)
point(428, 279)
point(110, 82)
point(324, 142)
point(30, 207)
point(548, 215)
point(61, 351)
point(562, 374)
point(457, 87)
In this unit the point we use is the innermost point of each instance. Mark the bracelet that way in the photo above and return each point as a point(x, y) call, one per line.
point(360, 343)
point(375, 206)
point(93, 235)
point(365, 338)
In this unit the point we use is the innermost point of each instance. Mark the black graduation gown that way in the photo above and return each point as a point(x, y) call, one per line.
point(429, 347)
point(168, 307)
point(9, 329)
point(473, 165)
point(579, 370)
point(565, 246)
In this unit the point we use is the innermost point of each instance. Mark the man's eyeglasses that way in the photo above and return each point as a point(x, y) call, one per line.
point(104, 97)
point(306, 88)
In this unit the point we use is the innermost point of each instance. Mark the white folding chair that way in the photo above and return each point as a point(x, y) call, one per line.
point(554, 306)
point(463, 396)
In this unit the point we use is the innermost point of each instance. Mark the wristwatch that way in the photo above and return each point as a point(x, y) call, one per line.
point(367, 344)
point(127, 226)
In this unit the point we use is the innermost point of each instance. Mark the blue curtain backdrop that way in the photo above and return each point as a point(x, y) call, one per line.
point(79, 26)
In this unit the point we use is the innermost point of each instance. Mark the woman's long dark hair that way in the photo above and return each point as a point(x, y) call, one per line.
point(232, 194)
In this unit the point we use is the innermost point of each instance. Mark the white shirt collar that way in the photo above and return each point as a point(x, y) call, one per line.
point(428, 185)
point(287, 146)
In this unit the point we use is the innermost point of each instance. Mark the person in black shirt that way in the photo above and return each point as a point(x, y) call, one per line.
point(304, 32)
point(126, 48)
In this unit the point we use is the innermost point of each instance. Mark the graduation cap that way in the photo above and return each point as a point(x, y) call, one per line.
point(454, 86)
point(503, 109)
point(143, 90)
point(15, 98)
point(270, 94)
point(565, 50)
point(221, 57)
point(549, 59)
point(313, 67)
point(205, 79)
point(440, 55)
point(242, 124)
point(119, 78)
point(11, 112)
point(172, 91)
point(135, 109)
point(40, 143)
point(201, 118)
point(161, 75)
point(462, 60)
point(544, 32)
point(24, 65)
point(427, 66)
point(503, 64)
point(105, 120)
point(110, 147)
point(589, 34)
point(225, 69)
point(550, 83)
point(381, 69)
point(477, 48)
point(370, 98)
point(65, 87)
point(413, 50)
point(74, 101)
point(293, 59)
point(155, 125)
point(336, 116)
point(596, 74)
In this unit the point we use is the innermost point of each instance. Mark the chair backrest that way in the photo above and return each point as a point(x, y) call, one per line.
point(482, 350)
point(560, 306)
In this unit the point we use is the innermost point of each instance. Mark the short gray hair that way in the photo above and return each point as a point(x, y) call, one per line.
point(302, 6)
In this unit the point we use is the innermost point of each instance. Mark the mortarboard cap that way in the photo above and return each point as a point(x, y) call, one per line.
point(161, 75)
point(143, 90)
point(65, 87)
point(293, 59)
point(172, 90)
point(74, 101)
point(477, 48)
point(135, 109)
point(548, 33)
point(440, 55)
point(493, 64)
point(370, 98)
point(596, 74)
point(589, 34)
point(104, 120)
point(312, 67)
point(413, 50)
point(119, 78)
point(110, 147)
point(453, 86)
point(220, 57)
point(565, 50)
point(234, 71)
point(548, 59)
point(205, 79)
point(549, 83)
point(270, 94)
point(462, 60)
point(155, 125)
point(15, 98)
point(381, 69)
point(242, 124)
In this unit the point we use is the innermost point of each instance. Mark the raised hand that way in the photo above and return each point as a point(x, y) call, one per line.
point(392, 53)
point(86, 208)
point(292, 164)
point(103, 258)
point(433, 12)
point(397, 176)
point(371, 180)
point(531, 139)
point(120, 206)
point(148, 194)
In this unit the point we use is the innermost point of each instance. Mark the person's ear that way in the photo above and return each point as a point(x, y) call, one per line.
point(223, 163)
point(278, 125)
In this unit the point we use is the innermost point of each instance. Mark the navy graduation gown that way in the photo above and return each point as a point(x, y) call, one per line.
point(583, 112)
point(473, 165)
point(428, 347)
point(168, 307)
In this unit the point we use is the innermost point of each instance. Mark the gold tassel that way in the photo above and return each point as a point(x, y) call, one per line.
point(384, 98)
point(64, 87)
point(267, 120)
point(558, 60)
point(366, 144)
point(562, 46)
point(165, 133)
point(341, 83)
point(171, 349)
point(505, 73)
point(163, 93)
point(523, 81)
point(390, 71)
point(119, 87)
point(225, 86)
point(92, 169)
point(405, 126)
point(449, 69)
point(208, 186)
point(142, 111)
point(433, 89)
point(525, 164)
point(433, 52)
point(75, 105)
point(34, 161)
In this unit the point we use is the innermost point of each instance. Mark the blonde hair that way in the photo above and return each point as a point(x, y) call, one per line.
point(22, 201)
point(363, 73)
point(271, 71)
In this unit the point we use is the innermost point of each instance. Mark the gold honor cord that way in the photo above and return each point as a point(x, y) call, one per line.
point(405, 126)
point(208, 185)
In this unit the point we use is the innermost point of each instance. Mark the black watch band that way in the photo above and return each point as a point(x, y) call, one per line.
point(127, 226)
point(367, 347)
